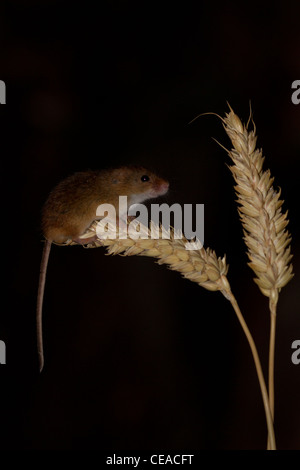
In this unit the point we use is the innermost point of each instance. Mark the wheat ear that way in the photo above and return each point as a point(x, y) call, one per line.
point(264, 224)
point(199, 265)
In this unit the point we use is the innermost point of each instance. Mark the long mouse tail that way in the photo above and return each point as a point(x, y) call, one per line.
point(39, 308)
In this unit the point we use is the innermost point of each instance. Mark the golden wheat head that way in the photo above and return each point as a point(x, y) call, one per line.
point(199, 265)
point(263, 222)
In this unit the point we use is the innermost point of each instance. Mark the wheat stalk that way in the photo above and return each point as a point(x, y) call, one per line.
point(264, 224)
point(200, 265)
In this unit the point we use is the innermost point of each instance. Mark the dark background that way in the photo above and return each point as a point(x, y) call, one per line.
point(136, 356)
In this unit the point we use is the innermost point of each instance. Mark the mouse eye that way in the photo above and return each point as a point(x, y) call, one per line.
point(145, 178)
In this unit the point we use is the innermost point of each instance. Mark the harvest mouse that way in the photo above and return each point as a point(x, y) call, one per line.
point(71, 208)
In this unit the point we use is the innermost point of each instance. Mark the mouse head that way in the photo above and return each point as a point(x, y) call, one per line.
point(138, 184)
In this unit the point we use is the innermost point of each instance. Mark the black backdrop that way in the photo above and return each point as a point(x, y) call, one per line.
point(136, 357)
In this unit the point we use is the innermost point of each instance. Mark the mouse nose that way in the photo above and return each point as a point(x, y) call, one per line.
point(164, 187)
